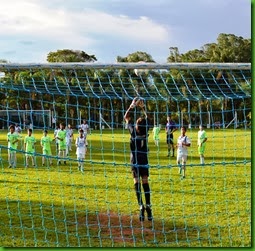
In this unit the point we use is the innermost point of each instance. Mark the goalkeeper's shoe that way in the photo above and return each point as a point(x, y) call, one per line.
point(149, 213)
point(141, 215)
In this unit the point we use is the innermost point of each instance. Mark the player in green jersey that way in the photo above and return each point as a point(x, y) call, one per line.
point(29, 145)
point(155, 131)
point(61, 137)
point(46, 147)
point(201, 139)
point(12, 139)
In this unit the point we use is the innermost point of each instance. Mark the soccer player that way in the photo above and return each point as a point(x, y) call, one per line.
point(69, 137)
point(155, 132)
point(139, 157)
point(85, 127)
point(55, 137)
point(29, 145)
point(61, 136)
point(170, 129)
point(12, 139)
point(201, 139)
point(183, 143)
point(81, 149)
point(17, 129)
point(46, 148)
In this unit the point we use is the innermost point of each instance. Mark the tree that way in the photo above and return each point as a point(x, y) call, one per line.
point(136, 57)
point(229, 48)
point(63, 56)
point(3, 61)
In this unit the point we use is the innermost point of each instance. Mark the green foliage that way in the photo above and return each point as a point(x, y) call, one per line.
point(136, 57)
point(229, 48)
point(64, 56)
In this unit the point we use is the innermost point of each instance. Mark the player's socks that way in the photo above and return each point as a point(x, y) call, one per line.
point(141, 213)
point(180, 169)
point(146, 189)
point(138, 193)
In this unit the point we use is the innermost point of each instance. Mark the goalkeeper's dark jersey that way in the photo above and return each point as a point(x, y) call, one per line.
point(139, 148)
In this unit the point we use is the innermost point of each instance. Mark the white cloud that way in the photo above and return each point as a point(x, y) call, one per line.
point(81, 28)
point(30, 29)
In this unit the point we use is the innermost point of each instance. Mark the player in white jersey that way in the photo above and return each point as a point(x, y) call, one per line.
point(81, 149)
point(69, 137)
point(183, 143)
point(56, 140)
point(17, 129)
point(85, 127)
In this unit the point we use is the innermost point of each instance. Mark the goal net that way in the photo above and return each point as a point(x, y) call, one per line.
point(25, 118)
point(90, 201)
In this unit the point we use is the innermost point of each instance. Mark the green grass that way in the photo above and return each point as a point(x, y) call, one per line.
point(59, 206)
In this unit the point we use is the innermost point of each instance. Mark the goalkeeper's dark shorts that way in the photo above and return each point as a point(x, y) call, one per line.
point(140, 171)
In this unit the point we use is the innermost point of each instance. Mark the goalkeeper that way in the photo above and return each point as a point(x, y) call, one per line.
point(139, 156)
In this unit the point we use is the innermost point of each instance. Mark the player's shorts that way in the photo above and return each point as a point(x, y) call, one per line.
point(140, 172)
point(30, 153)
point(81, 155)
point(201, 149)
point(169, 139)
point(182, 158)
point(61, 147)
point(12, 150)
point(47, 152)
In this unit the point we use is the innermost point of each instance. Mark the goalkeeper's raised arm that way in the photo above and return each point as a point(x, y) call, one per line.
point(137, 102)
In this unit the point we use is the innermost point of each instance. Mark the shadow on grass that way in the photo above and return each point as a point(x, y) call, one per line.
point(37, 224)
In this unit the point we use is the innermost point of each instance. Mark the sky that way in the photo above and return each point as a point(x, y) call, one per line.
point(30, 29)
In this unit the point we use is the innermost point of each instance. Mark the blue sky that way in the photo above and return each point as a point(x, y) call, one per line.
point(30, 29)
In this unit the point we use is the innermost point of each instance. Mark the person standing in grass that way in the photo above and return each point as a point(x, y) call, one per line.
point(183, 143)
point(19, 132)
point(69, 138)
point(46, 147)
point(55, 137)
point(81, 149)
point(85, 127)
point(155, 132)
point(12, 139)
point(170, 129)
point(17, 129)
point(29, 146)
point(201, 139)
point(139, 157)
point(61, 136)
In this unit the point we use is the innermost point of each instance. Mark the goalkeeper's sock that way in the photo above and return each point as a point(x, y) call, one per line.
point(138, 193)
point(146, 189)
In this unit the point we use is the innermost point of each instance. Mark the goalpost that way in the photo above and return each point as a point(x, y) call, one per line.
point(60, 206)
point(34, 119)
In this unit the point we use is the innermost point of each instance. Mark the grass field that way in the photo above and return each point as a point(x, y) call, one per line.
point(58, 206)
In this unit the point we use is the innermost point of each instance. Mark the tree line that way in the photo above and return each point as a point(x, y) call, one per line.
point(92, 93)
